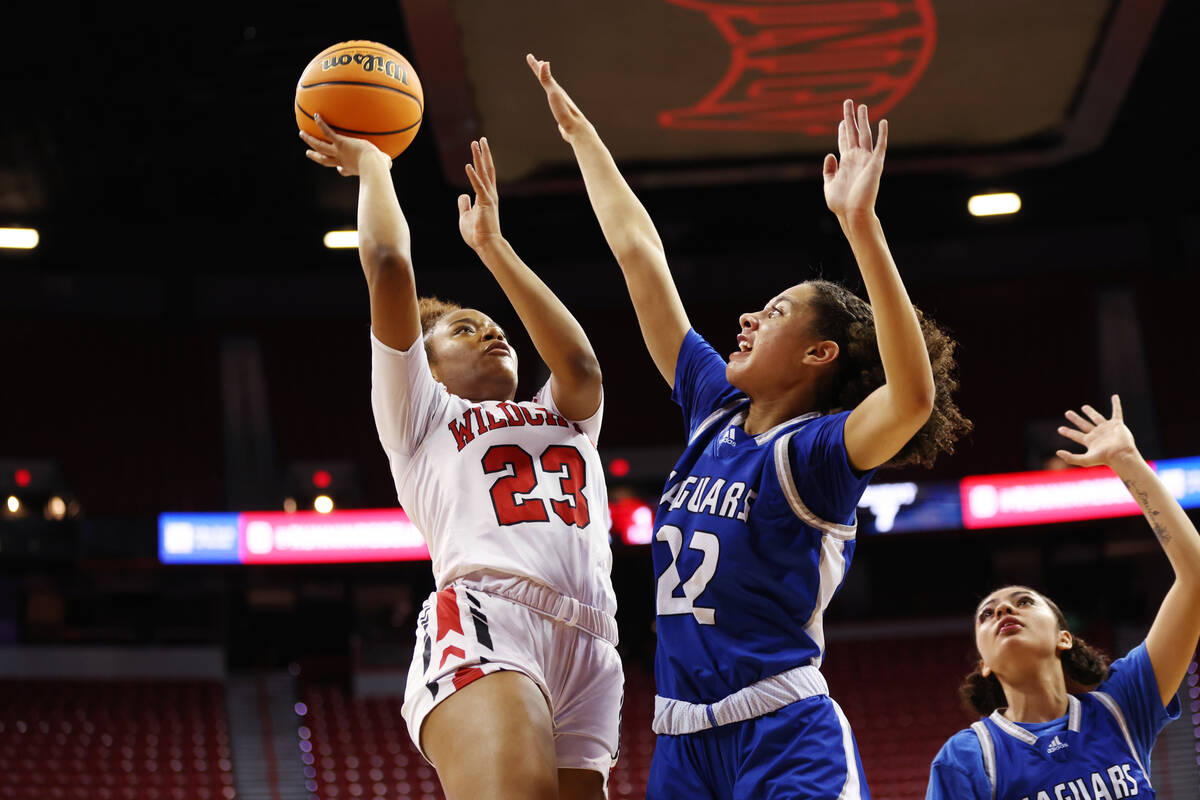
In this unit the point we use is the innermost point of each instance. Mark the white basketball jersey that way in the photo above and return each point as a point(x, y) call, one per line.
point(502, 486)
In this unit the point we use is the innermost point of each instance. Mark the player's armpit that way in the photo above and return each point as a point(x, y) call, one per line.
point(577, 398)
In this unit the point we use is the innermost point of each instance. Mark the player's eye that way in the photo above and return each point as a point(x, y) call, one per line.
point(1026, 600)
point(462, 328)
point(987, 612)
point(775, 312)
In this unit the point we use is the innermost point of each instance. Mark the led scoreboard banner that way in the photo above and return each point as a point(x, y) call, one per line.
point(278, 537)
point(978, 501)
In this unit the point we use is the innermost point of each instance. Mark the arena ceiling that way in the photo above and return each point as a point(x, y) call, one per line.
point(166, 141)
point(703, 90)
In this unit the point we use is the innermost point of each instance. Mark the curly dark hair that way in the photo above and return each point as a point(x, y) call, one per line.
point(1084, 667)
point(432, 309)
point(844, 317)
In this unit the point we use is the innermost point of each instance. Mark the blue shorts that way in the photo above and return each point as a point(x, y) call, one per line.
point(803, 751)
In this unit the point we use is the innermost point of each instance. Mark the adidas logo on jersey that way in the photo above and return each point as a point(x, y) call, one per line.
point(727, 437)
point(1055, 745)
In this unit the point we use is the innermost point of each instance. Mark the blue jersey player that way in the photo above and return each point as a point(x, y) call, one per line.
point(1040, 742)
point(756, 526)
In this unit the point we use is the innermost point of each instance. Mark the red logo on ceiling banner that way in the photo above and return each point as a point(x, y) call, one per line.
point(792, 63)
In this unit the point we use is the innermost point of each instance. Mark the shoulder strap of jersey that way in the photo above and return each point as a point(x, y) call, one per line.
point(1115, 710)
point(716, 415)
point(989, 752)
point(783, 468)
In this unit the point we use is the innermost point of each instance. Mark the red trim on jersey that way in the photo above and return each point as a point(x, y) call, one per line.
point(466, 675)
point(447, 613)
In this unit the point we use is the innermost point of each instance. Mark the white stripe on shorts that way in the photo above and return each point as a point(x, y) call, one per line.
point(677, 717)
point(852, 789)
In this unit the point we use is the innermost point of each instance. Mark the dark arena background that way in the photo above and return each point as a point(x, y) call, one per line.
point(185, 367)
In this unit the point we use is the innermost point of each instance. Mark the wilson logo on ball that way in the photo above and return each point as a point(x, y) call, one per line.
point(369, 63)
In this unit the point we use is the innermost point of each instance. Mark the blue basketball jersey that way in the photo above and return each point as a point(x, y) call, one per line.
point(1099, 751)
point(753, 536)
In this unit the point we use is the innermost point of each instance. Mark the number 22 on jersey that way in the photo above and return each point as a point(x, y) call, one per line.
point(667, 603)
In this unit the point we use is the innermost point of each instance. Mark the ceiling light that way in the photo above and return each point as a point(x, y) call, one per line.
point(338, 240)
point(19, 238)
point(988, 205)
point(56, 508)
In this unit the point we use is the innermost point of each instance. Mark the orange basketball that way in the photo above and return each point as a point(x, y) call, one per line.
point(362, 89)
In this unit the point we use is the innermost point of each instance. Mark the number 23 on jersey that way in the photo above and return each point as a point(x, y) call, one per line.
point(510, 492)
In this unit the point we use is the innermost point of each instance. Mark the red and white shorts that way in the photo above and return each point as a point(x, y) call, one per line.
point(481, 624)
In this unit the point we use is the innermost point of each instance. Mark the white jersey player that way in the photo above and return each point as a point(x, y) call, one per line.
point(515, 687)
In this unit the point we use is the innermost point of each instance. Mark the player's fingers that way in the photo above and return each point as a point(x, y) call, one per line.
point(464, 204)
point(1079, 422)
point(1094, 415)
point(1071, 433)
point(321, 158)
point(477, 158)
point(843, 139)
point(476, 184)
point(541, 69)
point(325, 129)
point(830, 167)
point(534, 65)
point(320, 145)
point(489, 165)
point(881, 142)
point(864, 129)
point(1070, 458)
point(1117, 414)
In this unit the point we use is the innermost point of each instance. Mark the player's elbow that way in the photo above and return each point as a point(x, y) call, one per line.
point(918, 408)
point(913, 403)
point(636, 246)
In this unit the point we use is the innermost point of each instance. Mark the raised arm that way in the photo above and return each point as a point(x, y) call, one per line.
point(888, 417)
point(627, 227)
point(1176, 628)
point(558, 337)
point(384, 245)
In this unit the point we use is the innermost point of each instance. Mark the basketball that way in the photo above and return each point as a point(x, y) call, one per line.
point(362, 89)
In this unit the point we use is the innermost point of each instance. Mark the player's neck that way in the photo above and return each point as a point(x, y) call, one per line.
point(766, 413)
point(1040, 696)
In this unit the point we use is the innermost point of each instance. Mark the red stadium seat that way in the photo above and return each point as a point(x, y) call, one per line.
point(112, 740)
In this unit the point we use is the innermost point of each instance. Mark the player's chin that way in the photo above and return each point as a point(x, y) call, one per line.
point(500, 373)
point(738, 375)
point(499, 365)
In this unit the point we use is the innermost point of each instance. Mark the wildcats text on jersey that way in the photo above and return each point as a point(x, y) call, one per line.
point(703, 495)
point(1111, 784)
point(478, 420)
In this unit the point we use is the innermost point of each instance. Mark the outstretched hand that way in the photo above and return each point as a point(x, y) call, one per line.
point(345, 153)
point(479, 223)
point(852, 177)
point(1106, 440)
point(570, 119)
